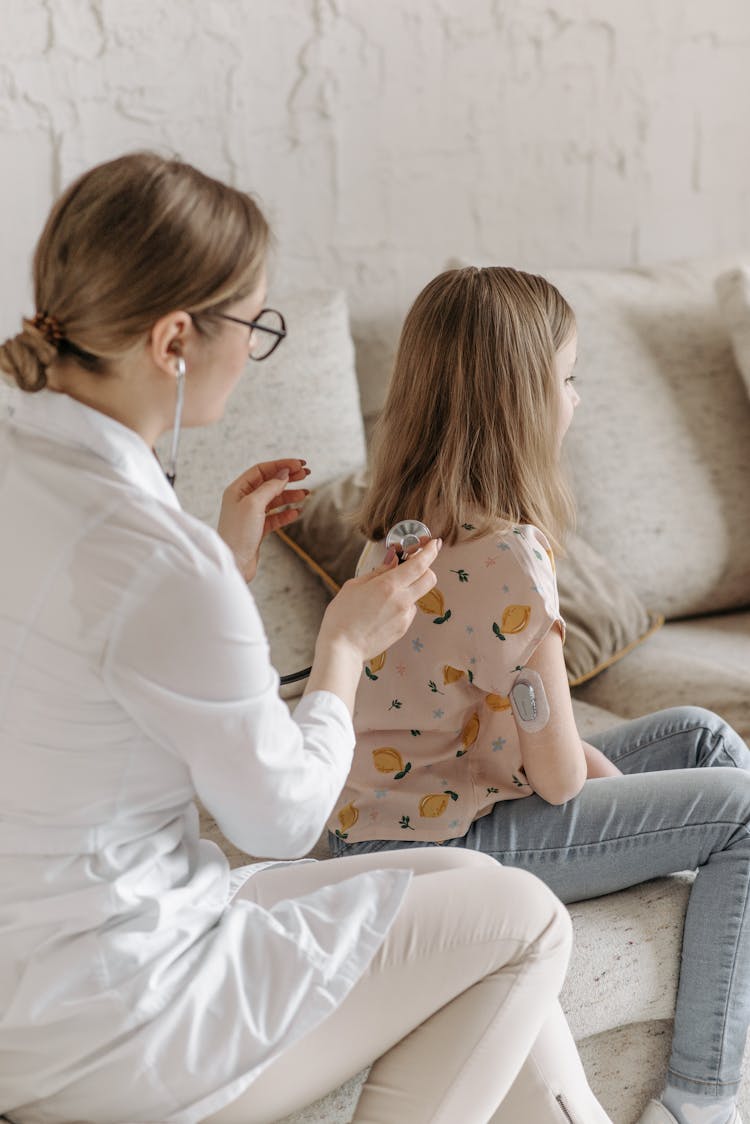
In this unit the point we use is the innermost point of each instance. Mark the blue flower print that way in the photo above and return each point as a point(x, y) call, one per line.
point(502, 546)
point(469, 629)
point(438, 713)
point(417, 644)
point(498, 744)
point(380, 793)
point(453, 823)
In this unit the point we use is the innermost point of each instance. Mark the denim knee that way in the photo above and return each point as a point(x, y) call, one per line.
point(720, 744)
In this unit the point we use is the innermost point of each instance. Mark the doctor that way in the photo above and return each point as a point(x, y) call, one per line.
point(140, 980)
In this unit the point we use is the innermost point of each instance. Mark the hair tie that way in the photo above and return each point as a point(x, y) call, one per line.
point(49, 327)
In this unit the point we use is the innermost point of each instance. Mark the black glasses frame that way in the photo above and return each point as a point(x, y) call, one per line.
point(255, 326)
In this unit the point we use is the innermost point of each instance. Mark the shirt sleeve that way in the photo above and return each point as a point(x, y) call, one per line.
point(519, 605)
point(188, 660)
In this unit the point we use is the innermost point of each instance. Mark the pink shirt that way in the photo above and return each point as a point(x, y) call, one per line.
point(437, 745)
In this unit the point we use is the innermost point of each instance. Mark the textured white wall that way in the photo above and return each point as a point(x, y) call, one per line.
point(384, 136)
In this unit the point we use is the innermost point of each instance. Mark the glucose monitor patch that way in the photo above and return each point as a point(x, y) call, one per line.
point(528, 701)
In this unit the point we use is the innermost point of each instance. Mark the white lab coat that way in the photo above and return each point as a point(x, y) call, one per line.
point(134, 674)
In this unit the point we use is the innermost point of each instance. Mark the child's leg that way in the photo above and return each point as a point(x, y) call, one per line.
point(667, 814)
point(450, 1006)
point(682, 737)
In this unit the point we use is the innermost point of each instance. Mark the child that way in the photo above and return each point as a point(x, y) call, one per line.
point(465, 729)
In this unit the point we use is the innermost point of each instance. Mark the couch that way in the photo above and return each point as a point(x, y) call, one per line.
point(659, 457)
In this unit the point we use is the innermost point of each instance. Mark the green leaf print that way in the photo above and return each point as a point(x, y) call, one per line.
point(463, 575)
point(446, 617)
point(519, 783)
point(468, 526)
point(496, 630)
point(342, 834)
point(404, 771)
point(492, 789)
point(404, 823)
point(396, 704)
point(415, 733)
point(448, 792)
point(434, 687)
point(470, 674)
point(370, 674)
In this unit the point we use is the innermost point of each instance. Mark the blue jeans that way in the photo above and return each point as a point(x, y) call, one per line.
point(684, 804)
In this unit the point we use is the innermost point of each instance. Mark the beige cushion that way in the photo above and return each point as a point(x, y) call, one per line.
point(659, 445)
point(704, 662)
point(733, 295)
point(604, 618)
point(301, 402)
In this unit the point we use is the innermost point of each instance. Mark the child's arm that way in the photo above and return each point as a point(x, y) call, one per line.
point(597, 765)
point(554, 758)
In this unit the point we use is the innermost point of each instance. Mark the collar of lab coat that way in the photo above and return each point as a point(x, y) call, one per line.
point(63, 419)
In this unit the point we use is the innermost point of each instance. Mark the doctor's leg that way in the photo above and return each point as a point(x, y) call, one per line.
point(449, 1011)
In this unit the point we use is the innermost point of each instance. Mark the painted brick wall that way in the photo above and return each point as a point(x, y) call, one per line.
point(384, 136)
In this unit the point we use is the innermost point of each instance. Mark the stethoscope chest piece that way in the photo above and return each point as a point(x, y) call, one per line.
point(406, 537)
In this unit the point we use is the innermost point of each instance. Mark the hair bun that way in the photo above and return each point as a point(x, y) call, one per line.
point(26, 356)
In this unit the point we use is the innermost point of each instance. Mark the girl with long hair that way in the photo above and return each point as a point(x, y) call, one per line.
point(466, 738)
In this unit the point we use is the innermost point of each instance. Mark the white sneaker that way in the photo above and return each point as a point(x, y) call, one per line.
point(656, 1113)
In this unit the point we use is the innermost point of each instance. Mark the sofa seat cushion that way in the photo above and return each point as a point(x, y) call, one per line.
point(701, 662)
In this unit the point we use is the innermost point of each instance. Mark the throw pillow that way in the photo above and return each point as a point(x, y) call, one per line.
point(301, 402)
point(658, 447)
point(604, 617)
point(733, 295)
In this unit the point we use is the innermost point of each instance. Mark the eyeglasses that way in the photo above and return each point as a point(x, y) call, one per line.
point(266, 332)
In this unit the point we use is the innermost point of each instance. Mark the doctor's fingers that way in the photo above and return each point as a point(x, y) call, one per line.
point(407, 572)
point(259, 474)
point(414, 575)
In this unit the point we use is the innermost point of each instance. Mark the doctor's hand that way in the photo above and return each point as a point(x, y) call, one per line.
point(249, 508)
point(366, 616)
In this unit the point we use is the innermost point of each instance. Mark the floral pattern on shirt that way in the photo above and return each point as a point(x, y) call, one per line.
point(436, 738)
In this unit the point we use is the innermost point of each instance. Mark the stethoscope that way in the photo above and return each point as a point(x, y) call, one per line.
point(406, 538)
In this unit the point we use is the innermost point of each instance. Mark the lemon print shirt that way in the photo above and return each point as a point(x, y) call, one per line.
point(436, 739)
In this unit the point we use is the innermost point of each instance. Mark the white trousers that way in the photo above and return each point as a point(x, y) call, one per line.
point(457, 1012)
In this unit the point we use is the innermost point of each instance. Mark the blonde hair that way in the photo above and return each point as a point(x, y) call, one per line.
point(129, 241)
point(469, 428)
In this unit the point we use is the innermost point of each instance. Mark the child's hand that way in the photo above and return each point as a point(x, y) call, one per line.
point(249, 508)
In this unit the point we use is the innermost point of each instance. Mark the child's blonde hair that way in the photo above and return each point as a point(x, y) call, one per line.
point(469, 428)
point(131, 240)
